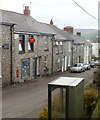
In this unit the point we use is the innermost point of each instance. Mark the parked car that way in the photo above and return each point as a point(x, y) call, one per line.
point(97, 62)
point(79, 67)
point(87, 66)
point(92, 64)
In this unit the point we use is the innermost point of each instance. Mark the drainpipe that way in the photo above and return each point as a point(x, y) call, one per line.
point(11, 32)
point(72, 52)
point(52, 56)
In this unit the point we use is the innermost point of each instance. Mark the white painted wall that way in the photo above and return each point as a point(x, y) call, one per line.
point(95, 49)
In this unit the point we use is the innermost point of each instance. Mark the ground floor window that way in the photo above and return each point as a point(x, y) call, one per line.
point(25, 68)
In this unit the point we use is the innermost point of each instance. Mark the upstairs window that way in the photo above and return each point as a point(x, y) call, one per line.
point(69, 50)
point(57, 51)
point(46, 43)
point(21, 43)
point(61, 47)
point(31, 41)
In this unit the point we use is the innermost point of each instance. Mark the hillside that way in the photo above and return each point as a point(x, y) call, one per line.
point(88, 34)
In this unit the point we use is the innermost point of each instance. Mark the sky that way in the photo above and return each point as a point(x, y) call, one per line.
point(63, 12)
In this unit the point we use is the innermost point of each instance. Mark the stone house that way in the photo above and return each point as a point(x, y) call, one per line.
point(31, 49)
point(66, 44)
point(82, 49)
point(23, 60)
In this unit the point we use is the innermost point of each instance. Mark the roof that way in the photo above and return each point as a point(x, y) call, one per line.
point(63, 33)
point(81, 40)
point(28, 24)
point(23, 23)
point(49, 29)
point(67, 81)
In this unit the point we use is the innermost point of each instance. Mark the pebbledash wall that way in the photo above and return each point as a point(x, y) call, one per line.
point(61, 55)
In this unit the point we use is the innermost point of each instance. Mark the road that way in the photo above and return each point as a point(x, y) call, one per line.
point(26, 100)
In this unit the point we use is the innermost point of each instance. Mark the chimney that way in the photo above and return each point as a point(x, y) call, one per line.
point(79, 33)
point(27, 11)
point(69, 29)
point(51, 22)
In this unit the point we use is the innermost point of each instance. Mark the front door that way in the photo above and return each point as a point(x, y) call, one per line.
point(34, 67)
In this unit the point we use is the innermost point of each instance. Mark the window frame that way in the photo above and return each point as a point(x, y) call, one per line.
point(21, 44)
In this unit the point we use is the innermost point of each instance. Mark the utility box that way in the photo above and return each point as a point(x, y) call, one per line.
point(66, 98)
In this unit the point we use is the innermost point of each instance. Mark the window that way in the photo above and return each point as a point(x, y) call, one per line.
point(61, 47)
point(58, 64)
point(57, 43)
point(61, 43)
point(45, 58)
point(69, 46)
point(21, 43)
point(45, 43)
point(31, 44)
point(57, 50)
point(45, 63)
point(25, 68)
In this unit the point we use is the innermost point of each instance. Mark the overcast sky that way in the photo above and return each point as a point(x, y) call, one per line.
point(63, 12)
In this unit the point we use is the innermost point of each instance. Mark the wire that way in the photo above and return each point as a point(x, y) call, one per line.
point(85, 11)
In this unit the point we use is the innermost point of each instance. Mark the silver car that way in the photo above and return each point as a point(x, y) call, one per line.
point(86, 66)
point(79, 67)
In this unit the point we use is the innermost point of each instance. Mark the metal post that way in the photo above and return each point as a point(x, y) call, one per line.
point(49, 102)
point(67, 104)
point(52, 58)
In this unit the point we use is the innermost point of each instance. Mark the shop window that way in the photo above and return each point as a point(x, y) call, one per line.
point(25, 68)
point(31, 41)
point(21, 43)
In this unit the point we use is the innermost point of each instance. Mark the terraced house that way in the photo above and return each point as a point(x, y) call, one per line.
point(31, 49)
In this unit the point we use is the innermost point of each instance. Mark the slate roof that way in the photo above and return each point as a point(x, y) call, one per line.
point(81, 40)
point(61, 32)
point(28, 24)
point(51, 30)
point(23, 23)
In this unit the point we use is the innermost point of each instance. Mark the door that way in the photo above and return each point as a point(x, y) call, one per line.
point(25, 68)
point(38, 66)
point(34, 68)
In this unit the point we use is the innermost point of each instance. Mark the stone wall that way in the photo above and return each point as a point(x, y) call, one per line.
point(6, 55)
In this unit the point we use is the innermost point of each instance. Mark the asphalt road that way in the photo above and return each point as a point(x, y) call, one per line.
point(26, 100)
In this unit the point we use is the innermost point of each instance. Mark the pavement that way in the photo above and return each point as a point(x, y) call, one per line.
point(26, 100)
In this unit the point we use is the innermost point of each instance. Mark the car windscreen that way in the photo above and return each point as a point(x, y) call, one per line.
point(77, 65)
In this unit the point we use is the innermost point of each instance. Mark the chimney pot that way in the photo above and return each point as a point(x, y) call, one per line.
point(27, 11)
point(51, 22)
point(69, 29)
point(79, 33)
